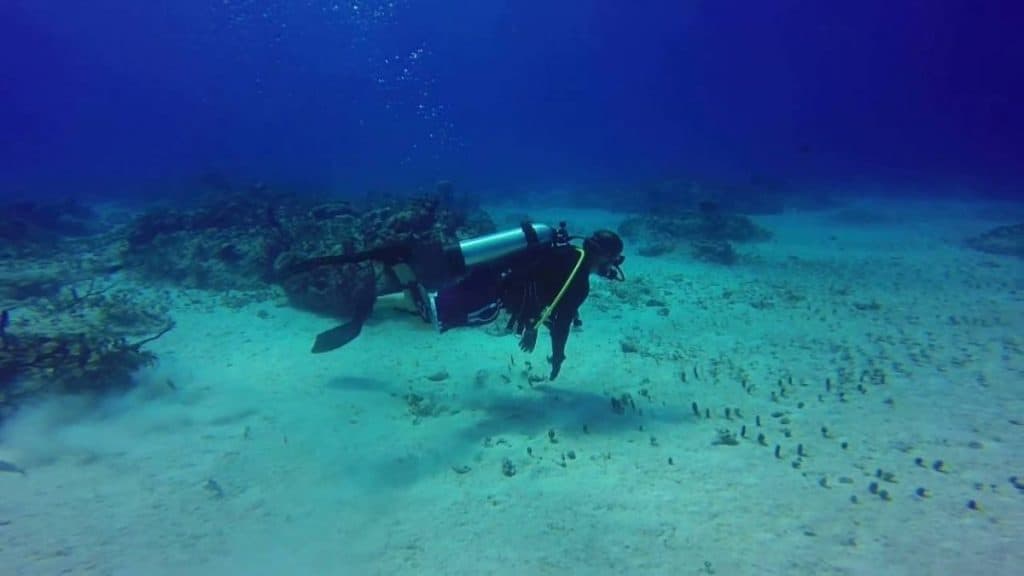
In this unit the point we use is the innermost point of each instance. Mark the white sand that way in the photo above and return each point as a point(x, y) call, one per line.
point(323, 470)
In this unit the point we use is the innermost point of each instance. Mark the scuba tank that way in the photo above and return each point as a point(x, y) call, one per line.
point(501, 244)
point(435, 265)
point(494, 247)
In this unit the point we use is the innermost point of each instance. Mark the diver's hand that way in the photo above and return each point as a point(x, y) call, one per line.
point(556, 366)
point(528, 341)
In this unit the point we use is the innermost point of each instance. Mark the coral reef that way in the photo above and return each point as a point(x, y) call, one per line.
point(1002, 240)
point(227, 244)
point(244, 242)
point(77, 337)
point(68, 362)
point(29, 226)
point(74, 318)
point(65, 325)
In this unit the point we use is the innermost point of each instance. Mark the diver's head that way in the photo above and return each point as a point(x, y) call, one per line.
point(605, 250)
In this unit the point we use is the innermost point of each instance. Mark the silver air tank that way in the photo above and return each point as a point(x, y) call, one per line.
point(500, 244)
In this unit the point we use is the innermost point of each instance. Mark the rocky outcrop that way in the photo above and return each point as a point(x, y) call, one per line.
point(248, 242)
point(1003, 240)
point(708, 233)
point(30, 226)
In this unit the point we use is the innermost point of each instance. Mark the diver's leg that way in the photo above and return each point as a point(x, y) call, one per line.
point(426, 304)
point(400, 280)
point(473, 301)
point(395, 279)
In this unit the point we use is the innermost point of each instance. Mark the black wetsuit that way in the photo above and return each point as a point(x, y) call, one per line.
point(533, 284)
point(524, 285)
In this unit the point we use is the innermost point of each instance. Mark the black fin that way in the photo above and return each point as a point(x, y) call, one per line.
point(337, 337)
point(340, 335)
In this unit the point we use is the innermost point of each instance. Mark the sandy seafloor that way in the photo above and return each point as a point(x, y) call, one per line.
point(320, 466)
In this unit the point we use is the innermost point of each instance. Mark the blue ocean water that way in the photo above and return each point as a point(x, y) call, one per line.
point(128, 98)
point(806, 359)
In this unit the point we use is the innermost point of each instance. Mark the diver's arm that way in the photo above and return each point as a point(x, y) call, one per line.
point(560, 323)
point(565, 314)
point(559, 328)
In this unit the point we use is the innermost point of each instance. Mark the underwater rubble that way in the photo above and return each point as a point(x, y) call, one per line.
point(1002, 240)
point(708, 231)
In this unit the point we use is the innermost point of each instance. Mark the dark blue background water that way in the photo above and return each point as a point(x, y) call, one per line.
point(128, 97)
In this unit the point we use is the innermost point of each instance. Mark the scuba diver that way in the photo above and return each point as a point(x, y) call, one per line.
point(535, 273)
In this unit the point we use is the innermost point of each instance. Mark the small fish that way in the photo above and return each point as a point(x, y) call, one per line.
point(5, 321)
point(214, 488)
point(11, 467)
